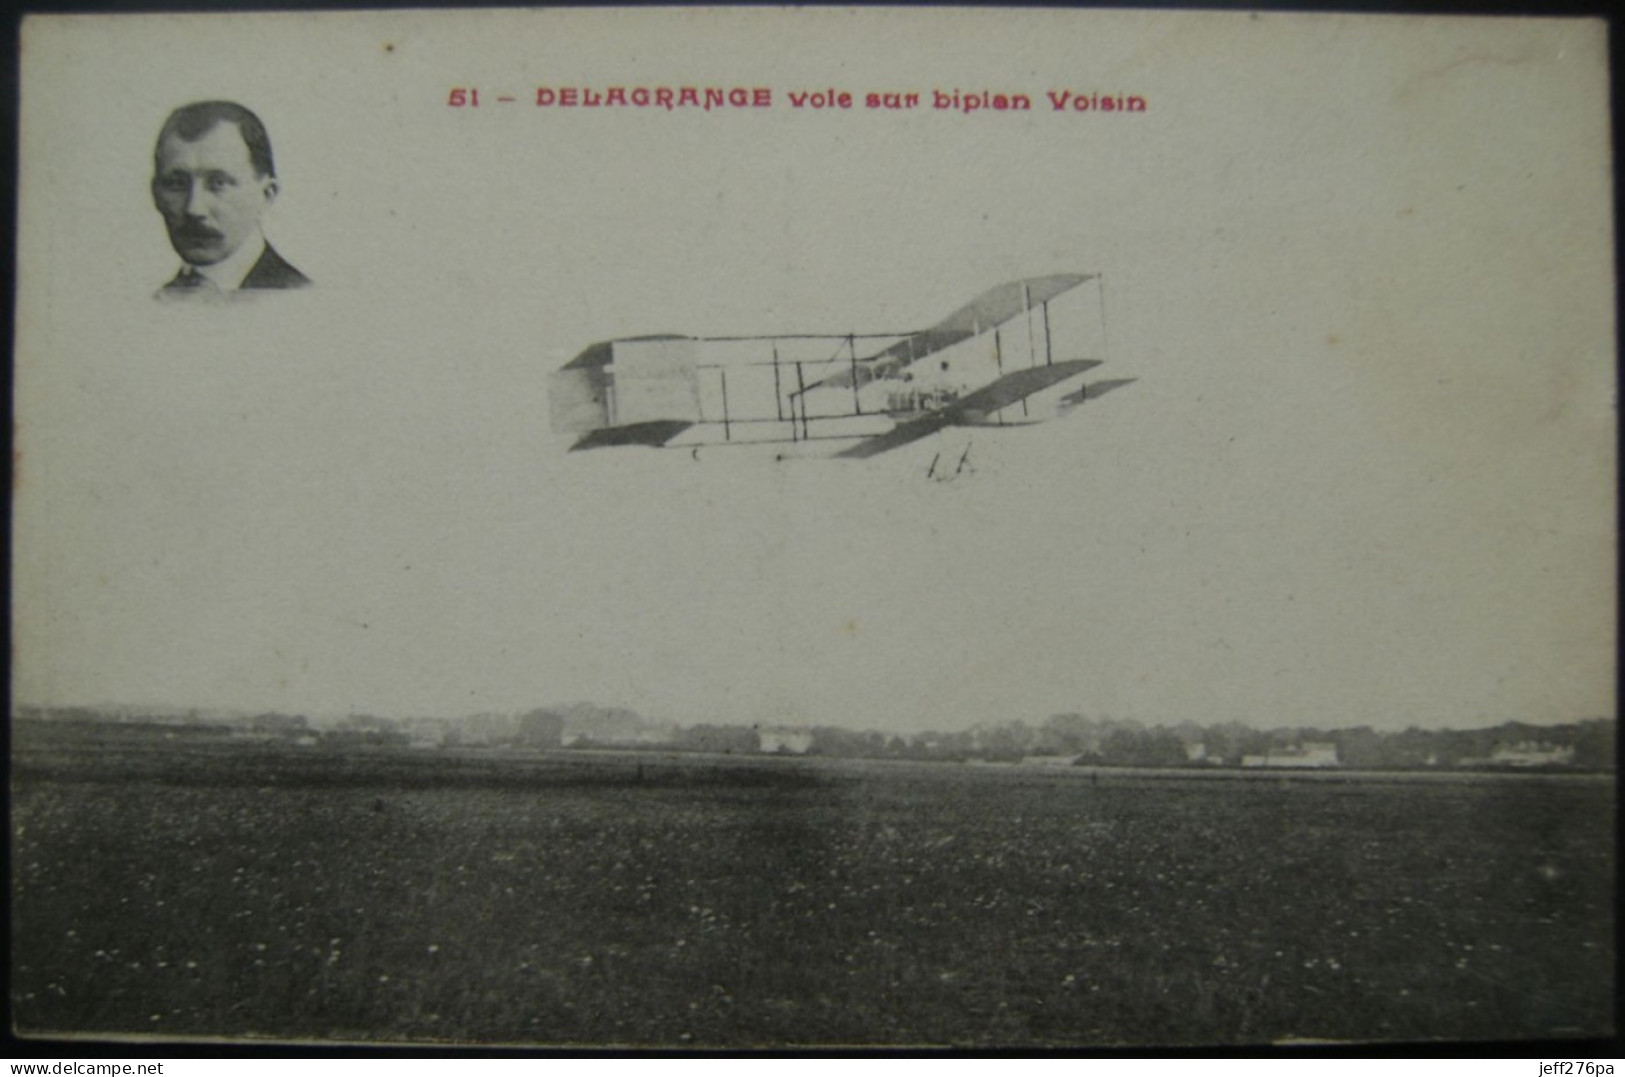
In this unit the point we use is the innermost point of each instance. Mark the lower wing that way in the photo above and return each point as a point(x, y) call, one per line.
point(1010, 389)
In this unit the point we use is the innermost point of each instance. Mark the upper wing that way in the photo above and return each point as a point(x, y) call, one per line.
point(999, 304)
point(1002, 393)
point(993, 307)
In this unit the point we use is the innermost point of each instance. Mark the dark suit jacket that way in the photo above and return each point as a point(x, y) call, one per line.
point(271, 271)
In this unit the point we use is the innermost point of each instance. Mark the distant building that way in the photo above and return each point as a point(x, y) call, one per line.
point(1532, 754)
point(1048, 760)
point(785, 741)
point(589, 724)
point(1307, 754)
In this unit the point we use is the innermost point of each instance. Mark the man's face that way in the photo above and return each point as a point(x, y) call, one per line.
point(209, 194)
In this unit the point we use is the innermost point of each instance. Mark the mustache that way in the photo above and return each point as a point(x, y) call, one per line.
point(195, 232)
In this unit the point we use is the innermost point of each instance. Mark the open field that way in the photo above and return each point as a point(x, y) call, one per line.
point(216, 888)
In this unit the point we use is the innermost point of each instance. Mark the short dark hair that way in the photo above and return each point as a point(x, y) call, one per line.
point(192, 122)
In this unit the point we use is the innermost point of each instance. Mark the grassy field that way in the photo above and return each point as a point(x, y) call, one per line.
point(220, 889)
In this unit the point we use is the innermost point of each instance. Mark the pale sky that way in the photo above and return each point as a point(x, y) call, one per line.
point(1360, 266)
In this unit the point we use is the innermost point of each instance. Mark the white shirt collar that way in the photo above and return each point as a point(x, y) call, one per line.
point(228, 275)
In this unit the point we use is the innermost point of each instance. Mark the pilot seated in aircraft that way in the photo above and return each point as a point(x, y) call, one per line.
point(213, 179)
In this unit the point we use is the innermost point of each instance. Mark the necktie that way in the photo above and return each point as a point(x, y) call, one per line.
point(190, 280)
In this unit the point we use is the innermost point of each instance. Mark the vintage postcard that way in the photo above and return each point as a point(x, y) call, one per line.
point(772, 527)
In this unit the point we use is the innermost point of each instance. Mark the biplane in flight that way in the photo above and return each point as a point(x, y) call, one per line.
point(1016, 354)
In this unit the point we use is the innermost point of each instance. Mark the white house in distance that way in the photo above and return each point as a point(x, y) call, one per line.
point(1307, 754)
point(786, 741)
point(1531, 754)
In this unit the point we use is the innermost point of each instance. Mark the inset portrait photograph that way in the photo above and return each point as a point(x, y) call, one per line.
point(213, 179)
